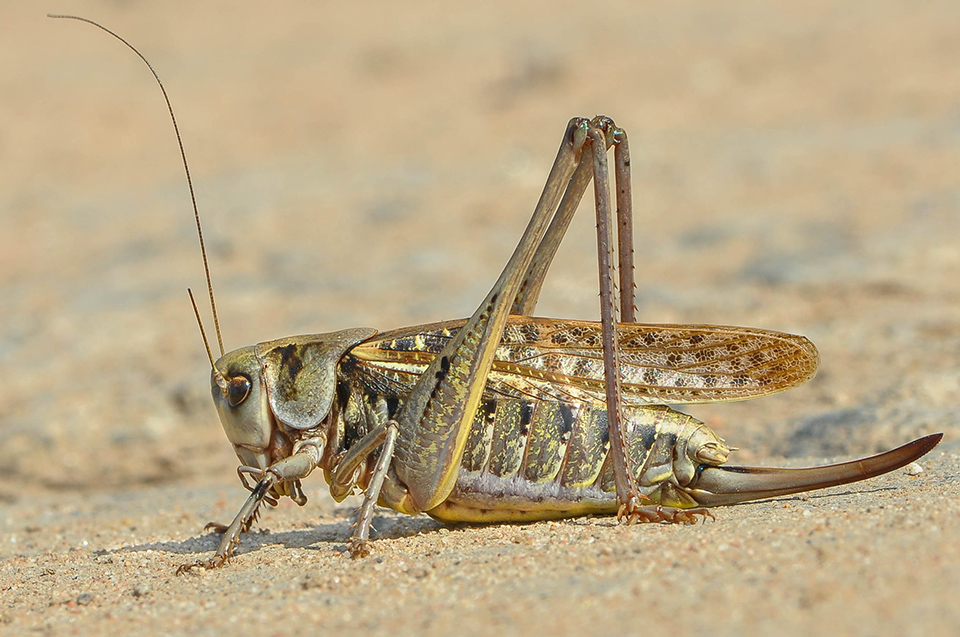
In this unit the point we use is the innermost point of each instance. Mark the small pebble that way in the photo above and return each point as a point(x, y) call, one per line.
point(913, 469)
point(140, 590)
point(84, 599)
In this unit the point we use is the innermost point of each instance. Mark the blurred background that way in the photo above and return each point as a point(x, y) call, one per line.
point(373, 164)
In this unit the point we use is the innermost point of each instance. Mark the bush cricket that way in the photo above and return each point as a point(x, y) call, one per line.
point(504, 417)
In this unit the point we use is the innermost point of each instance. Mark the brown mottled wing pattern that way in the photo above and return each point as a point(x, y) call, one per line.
point(549, 359)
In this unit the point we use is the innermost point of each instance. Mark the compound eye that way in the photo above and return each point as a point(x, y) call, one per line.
point(238, 390)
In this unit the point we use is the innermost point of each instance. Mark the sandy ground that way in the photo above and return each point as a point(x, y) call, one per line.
point(796, 168)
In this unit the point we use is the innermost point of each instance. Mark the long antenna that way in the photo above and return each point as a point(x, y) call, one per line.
point(186, 169)
point(203, 334)
point(217, 374)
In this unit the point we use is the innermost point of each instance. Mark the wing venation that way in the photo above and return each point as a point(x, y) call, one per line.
point(549, 359)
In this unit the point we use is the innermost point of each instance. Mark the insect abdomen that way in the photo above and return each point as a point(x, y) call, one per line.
point(529, 460)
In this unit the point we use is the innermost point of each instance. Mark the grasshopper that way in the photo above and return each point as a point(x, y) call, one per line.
point(504, 417)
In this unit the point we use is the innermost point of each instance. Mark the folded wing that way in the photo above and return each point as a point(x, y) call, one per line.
point(550, 359)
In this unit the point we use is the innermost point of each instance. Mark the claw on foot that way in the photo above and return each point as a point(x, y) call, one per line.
point(214, 562)
point(626, 508)
point(630, 505)
point(359, 548)
point(223, 554)
point(216, 527)
point(689, 516)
